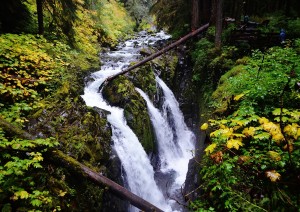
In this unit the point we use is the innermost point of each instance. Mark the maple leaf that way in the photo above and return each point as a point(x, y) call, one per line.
point(238, 97)
point(204, 126)
point(270, 127)
point(62, 193)
point(277, 111)
point(226, 133)
point(249, 131)
point(243, 159)
point(21, 194)
point(217, 157)
point(210, 148)
point(274, 155)
point(278, 137)
point(242, 122)
point(292, 130)
point(234, 143)
point(263, 120)
point(262, 136)
point(273, 175)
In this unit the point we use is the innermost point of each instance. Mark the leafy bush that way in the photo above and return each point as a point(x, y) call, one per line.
point(262, 79)
point(31, 68)
point(19, 173)
point(113, 22)
point(252, 162)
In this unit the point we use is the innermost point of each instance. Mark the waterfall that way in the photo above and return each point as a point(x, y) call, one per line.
point(173, 152)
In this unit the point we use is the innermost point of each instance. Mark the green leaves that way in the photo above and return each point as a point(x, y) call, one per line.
point(275, 70)
point(17, 169)
point(210, 148)
point(255, 139)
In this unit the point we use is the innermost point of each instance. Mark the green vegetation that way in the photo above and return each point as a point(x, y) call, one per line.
point(252, 162)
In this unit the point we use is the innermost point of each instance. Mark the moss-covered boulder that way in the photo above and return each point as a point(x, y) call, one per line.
point(144, 78)
point(121, 93)
point(165, 66)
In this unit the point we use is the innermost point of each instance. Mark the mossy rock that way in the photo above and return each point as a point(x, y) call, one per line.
point(166, 66)
point(121, 93)
point(85, 135)
point(144, 78)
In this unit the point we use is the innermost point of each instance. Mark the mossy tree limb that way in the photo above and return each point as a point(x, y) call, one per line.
point(157, 54)
point(60, 158)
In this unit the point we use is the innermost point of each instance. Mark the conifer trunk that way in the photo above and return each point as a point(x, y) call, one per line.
point(39, 7)
point(195, 14)
point(219, 23)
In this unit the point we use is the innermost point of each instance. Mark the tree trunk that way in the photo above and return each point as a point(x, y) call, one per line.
point(219, 23)
point(157, 54)
point(39, 7)
point(195, 15)
point(213, 13)
point(60, 158)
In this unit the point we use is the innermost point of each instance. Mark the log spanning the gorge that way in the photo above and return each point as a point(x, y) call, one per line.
point(157, 54)
point(58, 157)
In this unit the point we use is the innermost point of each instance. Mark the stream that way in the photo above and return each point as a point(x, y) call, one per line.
point(175, 141)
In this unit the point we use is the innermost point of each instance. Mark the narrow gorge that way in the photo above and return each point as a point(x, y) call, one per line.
point(156, 174)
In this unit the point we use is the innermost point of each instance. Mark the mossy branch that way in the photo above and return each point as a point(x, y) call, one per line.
point(60, 158)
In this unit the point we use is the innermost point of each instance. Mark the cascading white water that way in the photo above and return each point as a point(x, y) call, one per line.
point(185, 138)
point(167, 148)
point(139, 172)
point(174, 154)
point(136, 164)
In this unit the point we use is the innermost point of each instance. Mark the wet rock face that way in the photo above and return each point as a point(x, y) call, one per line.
point(121, 93)
point(85, 135)
point(115, 172)
point(82, 132)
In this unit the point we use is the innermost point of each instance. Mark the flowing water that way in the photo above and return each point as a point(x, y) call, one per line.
point(174, 140)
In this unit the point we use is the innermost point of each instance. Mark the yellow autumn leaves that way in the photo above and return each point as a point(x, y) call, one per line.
point(273, 175)
point(273, 129)
point(234, 130)
point(292, 130)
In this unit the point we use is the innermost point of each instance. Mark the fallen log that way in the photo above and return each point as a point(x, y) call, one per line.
point(157, 54)
point(60, 158)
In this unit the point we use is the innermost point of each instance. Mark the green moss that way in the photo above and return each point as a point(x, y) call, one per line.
point(121, 92)
point(144, 79)
point(166, 65)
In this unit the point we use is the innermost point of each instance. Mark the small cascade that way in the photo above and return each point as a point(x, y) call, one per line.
point(183, 137)
point(174, 154)
point(167, 148)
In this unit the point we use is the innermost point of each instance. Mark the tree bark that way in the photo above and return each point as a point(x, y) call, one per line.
point(213, 13)
point(67, 161)
point(39, 7)
point(60, 158)
point(219, 24)
point(157, 54)
point(195, 15)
